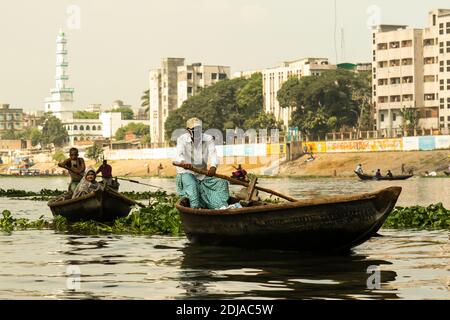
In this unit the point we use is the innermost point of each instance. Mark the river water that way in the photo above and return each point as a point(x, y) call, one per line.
point(47, 265)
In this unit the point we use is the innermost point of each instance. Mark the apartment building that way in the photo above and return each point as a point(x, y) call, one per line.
point(193, 78)
point(411, 69)
point(10, 119)
point(171, 85)
point(273, 79)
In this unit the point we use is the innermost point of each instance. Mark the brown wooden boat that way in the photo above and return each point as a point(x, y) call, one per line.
point(330, 224)
point(102, 205)
point(363, 176)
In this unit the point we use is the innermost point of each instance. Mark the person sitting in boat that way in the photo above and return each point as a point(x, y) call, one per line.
point(378, 174)
point(240, 173)
point(87, 185)
point(194, 149)
point(75, 166)
point(389, 174)
point(106, 170)
point(359, 169)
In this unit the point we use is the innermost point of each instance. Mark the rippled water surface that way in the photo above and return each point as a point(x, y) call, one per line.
point(40, 264)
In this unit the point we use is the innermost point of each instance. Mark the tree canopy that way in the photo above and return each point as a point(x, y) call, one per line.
point(53, 132)
point(138, 129)
point(85, 115)
point(228, 104)
point(127, 112)
point(328, 102)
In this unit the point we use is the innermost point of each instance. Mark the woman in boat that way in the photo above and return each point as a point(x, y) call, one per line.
point(378, 174)
point(240, 173)
point(87, 185)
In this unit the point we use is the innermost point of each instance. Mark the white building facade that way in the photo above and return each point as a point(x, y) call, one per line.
point(171, 85)
point(273, 79)
point(411, 69)
point(193, 78)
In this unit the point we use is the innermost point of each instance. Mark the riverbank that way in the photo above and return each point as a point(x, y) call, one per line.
point(343, 164)
point(324, 165)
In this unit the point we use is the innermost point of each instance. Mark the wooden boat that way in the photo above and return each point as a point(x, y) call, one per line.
point(363, 176)
point(447, 173)
point(330, 224)
point(101, 205)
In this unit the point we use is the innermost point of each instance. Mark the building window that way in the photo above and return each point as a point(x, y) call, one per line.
point(189, 90)
point(382, 117)
point(200, 75)
point(394, 117)
point(406, 43)
point(222, 76)
point(442, 119)
point(409, 79)
point(429, 96)
point(99, 128)
point(75, 127)
point(394, 45)
point(189, 76)
point(81, 128)
point(94, 128)
point(428, 114)
point(88, 128)
point(382, 46)
point(213, 76)
point(428, 60)
point(395, 80)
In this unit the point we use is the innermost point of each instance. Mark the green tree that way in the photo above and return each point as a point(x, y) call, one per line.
point(410, 119)
point(227, 104)
point(127, 112)
point(11, 135)
point(145, 101)
point(59, 155)
point(94, 152)
point(53, 132)
point(85, 115)
point(324, 103)
point(263, 120)
point(138, 129)
point(35, 136)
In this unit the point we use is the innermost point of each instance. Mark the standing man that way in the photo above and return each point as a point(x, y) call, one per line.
point(76, 167)
point(195, 149)
point(106, 171)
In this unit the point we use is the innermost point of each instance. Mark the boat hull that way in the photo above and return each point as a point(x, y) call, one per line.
point(332, 224)
point(369, 177)
point(102, 206)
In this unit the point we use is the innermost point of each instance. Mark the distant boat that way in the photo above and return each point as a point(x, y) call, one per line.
point(330, 224)
point(447, 173)
point(363, 176)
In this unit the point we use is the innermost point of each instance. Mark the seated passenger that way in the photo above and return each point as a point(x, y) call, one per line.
point(87, 185)
point(389, 174)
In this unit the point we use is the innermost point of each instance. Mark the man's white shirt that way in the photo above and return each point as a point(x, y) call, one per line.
point(196, 154)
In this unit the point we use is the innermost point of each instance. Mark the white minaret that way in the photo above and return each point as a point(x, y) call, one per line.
point(60, 103)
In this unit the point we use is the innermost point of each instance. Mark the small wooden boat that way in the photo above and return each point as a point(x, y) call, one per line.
point(101, 205)
point(447, 173)
point(363, 176)
point(330, 224)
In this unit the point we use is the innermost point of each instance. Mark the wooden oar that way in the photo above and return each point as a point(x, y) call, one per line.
point(134, 181)
point(235, 181)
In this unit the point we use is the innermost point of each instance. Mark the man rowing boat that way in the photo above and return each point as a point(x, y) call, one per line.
point(195, 149)
point(76, 167)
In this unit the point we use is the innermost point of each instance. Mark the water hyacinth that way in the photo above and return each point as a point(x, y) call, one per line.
point(434, 216)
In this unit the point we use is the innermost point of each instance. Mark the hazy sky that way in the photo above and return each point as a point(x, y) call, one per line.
point(119, 41)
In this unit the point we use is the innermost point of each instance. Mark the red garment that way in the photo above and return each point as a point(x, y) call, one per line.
point(106, 171)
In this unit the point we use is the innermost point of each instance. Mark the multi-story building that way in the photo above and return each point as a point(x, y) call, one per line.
point(171, 85)
point(163, 96)
point(10, 119)
point(411, 69)
point(273, 79)
point(193, 78)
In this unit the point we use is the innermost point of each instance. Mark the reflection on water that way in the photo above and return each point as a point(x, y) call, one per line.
point(218, 273)
point(34, 264)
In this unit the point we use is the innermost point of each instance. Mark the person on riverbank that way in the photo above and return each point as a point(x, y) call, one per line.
point(194, 150)
point(87, 185)
point(359, 169)
point(106, 170)
point(75, 166)
point(160, 169)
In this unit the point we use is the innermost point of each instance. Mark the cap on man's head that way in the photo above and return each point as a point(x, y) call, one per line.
point(193, 122)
